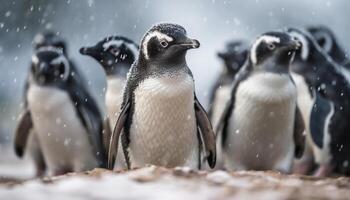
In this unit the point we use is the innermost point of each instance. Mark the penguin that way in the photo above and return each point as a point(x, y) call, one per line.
point(233, 57)
point(161, 120)
point(325, 37)
point(116, 54)
point(261, 127)
point(66, 120)
point(329, 88)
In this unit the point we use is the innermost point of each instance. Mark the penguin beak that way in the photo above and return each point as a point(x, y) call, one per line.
point(88, 51)
point(296, 44)
point(190, 44)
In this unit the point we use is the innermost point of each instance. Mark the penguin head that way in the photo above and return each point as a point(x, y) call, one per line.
point(49, 66)
point(115, 53)
point(309, 56)
point(234, 56)
point(166, 44)
point(49, 39)
point(273, 52)
point(325, 37)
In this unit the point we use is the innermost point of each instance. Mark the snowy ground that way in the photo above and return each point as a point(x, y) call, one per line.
point(160, 183)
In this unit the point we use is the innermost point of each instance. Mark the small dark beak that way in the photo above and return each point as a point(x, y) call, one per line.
point(294, 45)
point(190, 43)
point(87, 50)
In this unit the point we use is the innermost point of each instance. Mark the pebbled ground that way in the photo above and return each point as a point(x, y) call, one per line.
point(179, 183)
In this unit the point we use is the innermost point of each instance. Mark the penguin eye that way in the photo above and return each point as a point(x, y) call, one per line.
point(164, 43)
point(271, 46)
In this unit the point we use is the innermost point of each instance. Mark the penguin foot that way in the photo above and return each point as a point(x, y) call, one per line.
point(323, 171)
point(304, 168)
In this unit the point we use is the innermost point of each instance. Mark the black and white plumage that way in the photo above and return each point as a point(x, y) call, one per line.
point(233, 57)
point(328, 85)
point(116, 54)
point(46, 39)
point(262, 128)
point(162, 121)
point(63, 116)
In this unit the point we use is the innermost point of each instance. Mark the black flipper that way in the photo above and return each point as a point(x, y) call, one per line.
point(321, 110)
point(299, 137)
point(113, 146)
point(106, 135)
point(206, 133)
point(23, 129)
point(90, 116)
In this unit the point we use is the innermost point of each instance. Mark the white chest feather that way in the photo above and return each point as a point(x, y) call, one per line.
point(222, 95)
point(163, 130)
point(261, 127)
point(305, 102)
point(63, 138)
point(114, 98)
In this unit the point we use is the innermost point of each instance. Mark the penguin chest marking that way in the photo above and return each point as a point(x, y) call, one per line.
point(261, 127)
point(163, 130)
point(114, 98)
point(63, 138)
point(222, 96)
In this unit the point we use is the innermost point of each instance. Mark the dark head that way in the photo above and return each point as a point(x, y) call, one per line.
point(166, 44)
point(49, 66)
point(309, 56)
point(273, 52)
point(116, 54)
point(234, 56)
point(49, 39)
point(327, 40)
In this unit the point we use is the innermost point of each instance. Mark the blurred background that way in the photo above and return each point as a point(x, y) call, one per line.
point(212, 22)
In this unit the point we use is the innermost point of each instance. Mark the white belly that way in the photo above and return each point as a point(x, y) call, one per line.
point(114, 98)
point(305, 103)
point(163, 130)
point(261, 127)
point(222, 96)
point(62, 137)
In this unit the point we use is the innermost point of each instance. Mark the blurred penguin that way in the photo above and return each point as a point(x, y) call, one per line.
point(115, 54)
point(328, 85)
point(233, 57)
point(66, 120)
point(262, 128)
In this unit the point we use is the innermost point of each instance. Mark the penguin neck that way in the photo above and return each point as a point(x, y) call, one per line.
point(164, 66)
point(117, 69)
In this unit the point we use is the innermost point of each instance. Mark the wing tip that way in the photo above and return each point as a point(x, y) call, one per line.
point(211, 159)
point(19, 151)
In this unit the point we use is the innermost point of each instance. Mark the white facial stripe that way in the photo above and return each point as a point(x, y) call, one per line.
point(159, 35)
point(118, 43)
point(62, 59)
point(267, 39)
point(50, 48)
point(111, 43)
point(305, 45)
point(328, 42)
